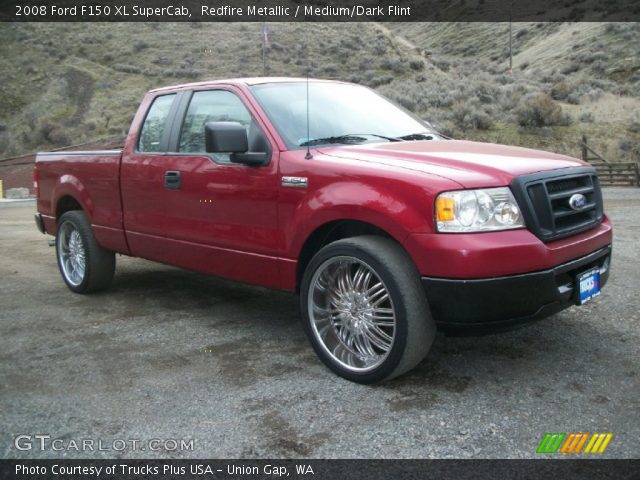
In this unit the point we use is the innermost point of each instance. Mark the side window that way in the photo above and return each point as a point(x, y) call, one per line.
point(210, 106)
point(155, 123)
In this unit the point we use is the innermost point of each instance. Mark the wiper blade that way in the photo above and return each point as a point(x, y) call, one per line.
point(391, 139)
point(346, 139)
point(337, 139)
point(422, 136)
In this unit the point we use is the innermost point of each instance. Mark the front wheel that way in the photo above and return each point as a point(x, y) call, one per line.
point(364, 309)
point(84, 265)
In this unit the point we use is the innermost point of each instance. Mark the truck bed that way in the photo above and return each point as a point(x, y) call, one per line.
point(90, 177)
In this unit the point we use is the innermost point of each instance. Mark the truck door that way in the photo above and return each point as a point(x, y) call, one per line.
point(220, 217)
point(142, 175)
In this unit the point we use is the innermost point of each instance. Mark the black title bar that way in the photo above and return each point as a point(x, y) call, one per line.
point(318, 469)
point(321, 10)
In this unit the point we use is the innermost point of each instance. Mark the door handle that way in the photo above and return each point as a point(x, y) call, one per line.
point(172, 180)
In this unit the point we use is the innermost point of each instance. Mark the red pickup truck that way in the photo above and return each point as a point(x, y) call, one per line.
point(385, 228)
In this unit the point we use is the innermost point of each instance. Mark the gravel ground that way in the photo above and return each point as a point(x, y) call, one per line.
point(168, 354)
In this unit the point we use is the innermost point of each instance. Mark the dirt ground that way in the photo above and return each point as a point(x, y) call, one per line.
point(176, 356)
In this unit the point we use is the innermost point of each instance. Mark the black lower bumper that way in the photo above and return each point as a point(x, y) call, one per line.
point(39, 223)
point(502, 303)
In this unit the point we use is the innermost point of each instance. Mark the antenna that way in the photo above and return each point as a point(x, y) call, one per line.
point(308, 156)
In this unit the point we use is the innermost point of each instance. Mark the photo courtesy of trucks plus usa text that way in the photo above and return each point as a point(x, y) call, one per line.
point(386, 229)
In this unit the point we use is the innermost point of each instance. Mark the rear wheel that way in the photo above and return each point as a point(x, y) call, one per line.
point(364, 309)
point(84, 265)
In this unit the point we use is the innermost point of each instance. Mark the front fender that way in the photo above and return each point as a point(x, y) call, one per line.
point(395, 212)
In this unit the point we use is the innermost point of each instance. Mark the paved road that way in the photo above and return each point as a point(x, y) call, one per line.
point(172, 355)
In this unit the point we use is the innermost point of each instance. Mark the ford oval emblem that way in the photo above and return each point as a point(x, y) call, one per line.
point(578, 201)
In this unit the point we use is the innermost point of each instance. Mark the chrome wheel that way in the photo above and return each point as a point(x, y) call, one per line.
point(72, 254)
point(352, 314)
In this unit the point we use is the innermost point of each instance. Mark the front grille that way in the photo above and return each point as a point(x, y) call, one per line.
point(544, 200)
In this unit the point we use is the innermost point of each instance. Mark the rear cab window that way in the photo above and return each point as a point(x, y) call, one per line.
point(155, 124)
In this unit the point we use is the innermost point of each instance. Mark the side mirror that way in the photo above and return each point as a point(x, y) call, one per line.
point(231, 137)
point(225, 137)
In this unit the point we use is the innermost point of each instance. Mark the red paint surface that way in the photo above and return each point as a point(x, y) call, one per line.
point(239, 222)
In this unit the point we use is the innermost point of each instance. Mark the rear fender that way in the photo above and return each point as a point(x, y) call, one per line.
point(71, 186)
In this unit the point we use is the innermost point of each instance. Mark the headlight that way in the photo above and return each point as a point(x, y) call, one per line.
point(477, 210)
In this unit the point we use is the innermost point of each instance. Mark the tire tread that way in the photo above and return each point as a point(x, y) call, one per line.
point(100, 263)
point(390, 256)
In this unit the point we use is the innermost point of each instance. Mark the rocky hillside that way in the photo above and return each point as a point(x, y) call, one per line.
point(69, 83)
point(567, 80)
point(64, 84)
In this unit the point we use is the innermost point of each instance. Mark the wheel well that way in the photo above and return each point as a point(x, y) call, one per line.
point(330, 232)
point(66, 204)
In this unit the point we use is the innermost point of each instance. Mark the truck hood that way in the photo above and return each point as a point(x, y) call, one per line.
point(471, 164)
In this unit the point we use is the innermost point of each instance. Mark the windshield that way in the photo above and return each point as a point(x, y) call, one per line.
point(338, 113)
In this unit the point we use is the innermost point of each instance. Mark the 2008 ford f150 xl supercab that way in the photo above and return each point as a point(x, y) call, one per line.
point(385, 228)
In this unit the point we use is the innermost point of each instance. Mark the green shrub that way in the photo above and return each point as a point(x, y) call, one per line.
point(486, 92)
point(380, 80)
point(540, 110)
point(416, 65)
point(586, 117)
point(140, 45)
point(570, 68)
point(407, 101)
point(574, 98)
point(630, 147)
point(396, 65)
point(53, 133)
point(466, 117)
point(634, 127)
point(560, 91)
point(80, 87)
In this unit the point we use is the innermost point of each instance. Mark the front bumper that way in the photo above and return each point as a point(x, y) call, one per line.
point(490, 304)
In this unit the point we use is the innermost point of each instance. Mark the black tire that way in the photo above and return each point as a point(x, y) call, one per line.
point(413, 328)
point(99, 264)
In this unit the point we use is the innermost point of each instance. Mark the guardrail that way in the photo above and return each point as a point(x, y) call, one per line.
point(618, 174)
